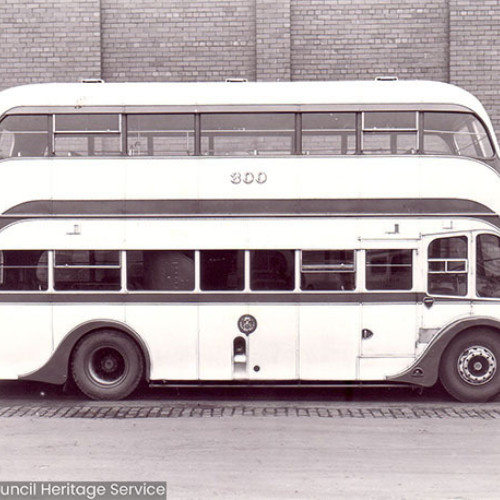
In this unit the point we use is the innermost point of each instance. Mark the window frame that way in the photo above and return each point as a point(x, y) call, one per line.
point(88, 134)
point(334, 270)
point(299, 111)
point(118, 267)
point(470, 286)
point(412, 265)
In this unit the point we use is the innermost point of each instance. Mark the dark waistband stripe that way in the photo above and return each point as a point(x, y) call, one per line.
point(254, 207)
point(224, 298)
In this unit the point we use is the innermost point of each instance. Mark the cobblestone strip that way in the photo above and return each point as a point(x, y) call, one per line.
point(180, 410)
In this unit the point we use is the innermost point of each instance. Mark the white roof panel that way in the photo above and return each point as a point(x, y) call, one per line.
point(240, 93)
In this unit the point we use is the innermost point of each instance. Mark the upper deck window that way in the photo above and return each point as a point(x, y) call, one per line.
point(87, 135)
point(389, 132)
point(160, 134)
point(459, 134)
point(246, 134)
point(24, 135)
point(238, 134)
point(87, 123)
point(328, 133)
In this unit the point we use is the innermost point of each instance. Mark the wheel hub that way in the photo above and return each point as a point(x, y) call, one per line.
point(477, 365)
point(107, 366)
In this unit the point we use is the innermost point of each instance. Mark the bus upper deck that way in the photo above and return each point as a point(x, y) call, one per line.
point(245, 119)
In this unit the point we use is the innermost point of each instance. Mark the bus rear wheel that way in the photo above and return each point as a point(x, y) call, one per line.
point(470, 366)
point(107, 365)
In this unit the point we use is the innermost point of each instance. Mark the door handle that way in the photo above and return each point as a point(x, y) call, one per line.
point(428, 301)
point(366, 334)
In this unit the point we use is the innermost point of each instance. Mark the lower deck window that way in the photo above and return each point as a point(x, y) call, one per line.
point(160, 270)
point(87, 270)
point(389, 270)
point(222, 270)
point(328, 270)
point(272, 270)
point(23, 270)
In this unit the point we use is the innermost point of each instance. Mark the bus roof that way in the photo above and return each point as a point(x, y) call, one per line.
point(383, 92)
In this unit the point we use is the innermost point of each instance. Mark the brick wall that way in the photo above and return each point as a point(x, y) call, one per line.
point(49, 40)
point(475, 51)
point(175, 40)
point(273, 37)
point(167, 40)
point(359, 39)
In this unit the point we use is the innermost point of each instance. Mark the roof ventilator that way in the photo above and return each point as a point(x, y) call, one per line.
point(91, 80)
point(387, 78)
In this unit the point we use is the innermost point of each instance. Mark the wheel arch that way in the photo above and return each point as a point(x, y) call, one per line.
point(425, 370)
point(56, 369)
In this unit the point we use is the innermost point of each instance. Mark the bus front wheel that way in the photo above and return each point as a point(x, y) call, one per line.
point(470, 366)
point(107, 365)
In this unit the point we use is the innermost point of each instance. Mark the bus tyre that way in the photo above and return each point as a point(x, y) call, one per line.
point(107, 365)
point(470, 366)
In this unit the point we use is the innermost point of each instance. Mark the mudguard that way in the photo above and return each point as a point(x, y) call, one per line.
point(425, 370)
point(55, 370)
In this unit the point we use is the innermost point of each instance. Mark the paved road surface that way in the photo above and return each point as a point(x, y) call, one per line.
point(267, 444)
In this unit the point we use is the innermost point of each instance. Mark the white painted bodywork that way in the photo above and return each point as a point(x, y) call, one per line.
point(187, 341)
point(210, 178)
point(316, 340)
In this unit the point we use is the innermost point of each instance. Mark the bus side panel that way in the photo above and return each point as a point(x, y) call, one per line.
point(330, 335)
point(25, 337)
point(171, 334)
point(391, 331)
point(29, 179)
point(268, 353)
point(218, 327)
point(273, 347)
point(378, 369)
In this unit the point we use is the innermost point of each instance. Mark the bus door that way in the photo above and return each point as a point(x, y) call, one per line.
point(388, 310)
point(447, 280)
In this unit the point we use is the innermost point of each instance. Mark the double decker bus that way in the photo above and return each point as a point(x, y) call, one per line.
point(249, 233)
